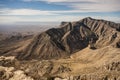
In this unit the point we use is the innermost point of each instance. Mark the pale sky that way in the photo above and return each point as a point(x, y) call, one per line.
point(15, 11)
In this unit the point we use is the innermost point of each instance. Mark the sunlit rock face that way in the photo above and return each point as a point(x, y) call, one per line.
point(71, 37)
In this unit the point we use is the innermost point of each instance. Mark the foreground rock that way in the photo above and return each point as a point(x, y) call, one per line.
point(9, 70)
point(97, 67)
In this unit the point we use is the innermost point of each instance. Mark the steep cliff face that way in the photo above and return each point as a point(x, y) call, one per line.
point(71, 37)
point(107, 32)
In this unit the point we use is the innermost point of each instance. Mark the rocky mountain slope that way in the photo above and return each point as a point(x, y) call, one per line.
point(87, 64)
point(88, 49)
point(71, 37)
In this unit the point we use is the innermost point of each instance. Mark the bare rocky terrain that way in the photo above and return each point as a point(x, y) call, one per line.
point(88, 49)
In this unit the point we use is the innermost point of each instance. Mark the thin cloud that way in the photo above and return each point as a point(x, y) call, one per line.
point(30, 12)
point(24, 12)
point(87, 5)
point(100, 6)
point(58, 1)
point(7, 11)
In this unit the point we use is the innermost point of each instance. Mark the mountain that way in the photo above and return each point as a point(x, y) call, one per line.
point(71, 37)
point(88, 49)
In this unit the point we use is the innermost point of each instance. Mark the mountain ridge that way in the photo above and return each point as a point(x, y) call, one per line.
point(71, 37)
